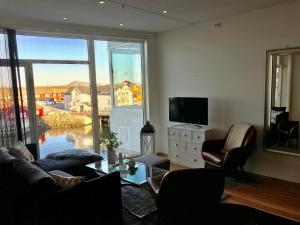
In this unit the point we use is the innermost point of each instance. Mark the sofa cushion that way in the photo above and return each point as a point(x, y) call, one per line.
point(5, 164)
point(81, 154)
point(20, 151)
point(153, 160)
point(30, 178)
point(67, 161)
point(5, 157)
point(65, 180)
point(4, 149)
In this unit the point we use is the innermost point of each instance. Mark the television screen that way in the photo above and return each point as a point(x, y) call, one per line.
point(188, 110)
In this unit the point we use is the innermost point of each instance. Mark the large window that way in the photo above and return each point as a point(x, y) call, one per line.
point(49, 48)
point(59, 98)
point(63, 99)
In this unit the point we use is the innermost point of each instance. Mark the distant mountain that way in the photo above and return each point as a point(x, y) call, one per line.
point(78, 83)
point(103, 89)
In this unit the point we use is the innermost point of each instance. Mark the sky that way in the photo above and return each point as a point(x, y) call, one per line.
point(48, 48)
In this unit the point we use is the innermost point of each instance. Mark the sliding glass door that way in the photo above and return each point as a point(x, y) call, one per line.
point(120, 91)
point(127, 115)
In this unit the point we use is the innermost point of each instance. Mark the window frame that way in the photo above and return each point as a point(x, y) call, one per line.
point(28, 65)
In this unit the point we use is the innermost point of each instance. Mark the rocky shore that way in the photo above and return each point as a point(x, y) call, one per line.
point(66, 120)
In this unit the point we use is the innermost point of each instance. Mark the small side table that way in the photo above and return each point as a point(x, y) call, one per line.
point(153, 160)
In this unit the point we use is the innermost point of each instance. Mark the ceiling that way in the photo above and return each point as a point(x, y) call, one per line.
point(143, 15)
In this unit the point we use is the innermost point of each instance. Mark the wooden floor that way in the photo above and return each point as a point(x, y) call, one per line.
point(267, 194)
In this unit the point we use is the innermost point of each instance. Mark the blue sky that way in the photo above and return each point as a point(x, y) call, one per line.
point(33, 47)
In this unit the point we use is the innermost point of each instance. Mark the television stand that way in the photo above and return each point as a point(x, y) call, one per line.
point(193, 126)
point(188, 125)
point(185, 144)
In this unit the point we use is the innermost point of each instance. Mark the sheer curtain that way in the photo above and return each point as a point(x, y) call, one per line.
point(10, 119)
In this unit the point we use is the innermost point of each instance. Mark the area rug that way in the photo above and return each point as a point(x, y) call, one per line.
point(138, 201)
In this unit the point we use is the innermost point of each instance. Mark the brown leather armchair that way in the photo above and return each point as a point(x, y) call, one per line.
point(186, 195)
point(232, 151)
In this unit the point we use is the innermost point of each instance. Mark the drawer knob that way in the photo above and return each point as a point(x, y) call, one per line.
point(176, 145)
point(173, 133)
point(177, 155)
point(195, 148)
point(195, 160)
point(198, 136)
point(185, 135)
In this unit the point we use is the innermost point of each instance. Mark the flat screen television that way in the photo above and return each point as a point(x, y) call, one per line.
point(188, 110)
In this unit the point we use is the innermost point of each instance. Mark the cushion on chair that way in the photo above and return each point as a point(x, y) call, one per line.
point(214, 157)
point(153, 160)
point(236, 135)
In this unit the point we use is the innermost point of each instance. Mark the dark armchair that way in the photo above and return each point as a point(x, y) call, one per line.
point(288, 133)
point(278, 114)
point(189, 195)
point(232, 151)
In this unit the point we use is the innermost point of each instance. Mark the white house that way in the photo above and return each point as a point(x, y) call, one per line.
point(77, 99)
point(123, 95)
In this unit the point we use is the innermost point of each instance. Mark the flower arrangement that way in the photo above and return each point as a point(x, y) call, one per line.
point(109, 140)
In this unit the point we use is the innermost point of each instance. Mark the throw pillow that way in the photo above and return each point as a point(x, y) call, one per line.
point(65, 180)
point(20, 151)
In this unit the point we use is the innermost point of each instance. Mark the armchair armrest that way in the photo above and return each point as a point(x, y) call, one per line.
point(154, 185)
point(294, 130)
point(213, 145)
point(235, 156)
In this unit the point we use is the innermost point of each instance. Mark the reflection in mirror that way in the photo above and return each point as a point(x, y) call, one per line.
point(282, 112)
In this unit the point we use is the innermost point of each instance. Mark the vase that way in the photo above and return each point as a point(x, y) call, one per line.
point(111, 156)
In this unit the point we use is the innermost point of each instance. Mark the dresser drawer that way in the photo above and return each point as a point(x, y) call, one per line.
point(198, 136)
point(194, 160)
point(177, 145)
point(185, 135)
point(186, 159)
point(194, 147)
point(173, 133)
point(177, 156)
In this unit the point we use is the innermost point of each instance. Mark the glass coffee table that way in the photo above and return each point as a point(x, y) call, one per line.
point(137, 176)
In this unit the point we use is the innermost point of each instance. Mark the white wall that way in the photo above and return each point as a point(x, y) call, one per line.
point(228, 66)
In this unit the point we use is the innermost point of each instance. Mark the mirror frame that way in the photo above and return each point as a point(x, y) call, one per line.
point(268, 92)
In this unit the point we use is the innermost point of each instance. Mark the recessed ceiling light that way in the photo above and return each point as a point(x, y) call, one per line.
point(122, 24)
point(101, 2)
point(164, 11)
point(65, 18)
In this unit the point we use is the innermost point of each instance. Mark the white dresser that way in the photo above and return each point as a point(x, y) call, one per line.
point(185, 145)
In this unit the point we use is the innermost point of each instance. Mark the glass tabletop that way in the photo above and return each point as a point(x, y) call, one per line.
point(137, 176)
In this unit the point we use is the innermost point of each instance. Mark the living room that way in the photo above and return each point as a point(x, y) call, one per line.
point(216, 50)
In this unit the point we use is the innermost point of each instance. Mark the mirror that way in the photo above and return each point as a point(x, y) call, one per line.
point(282, 103)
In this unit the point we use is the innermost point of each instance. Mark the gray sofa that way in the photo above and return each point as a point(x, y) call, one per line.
point(29, 196)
